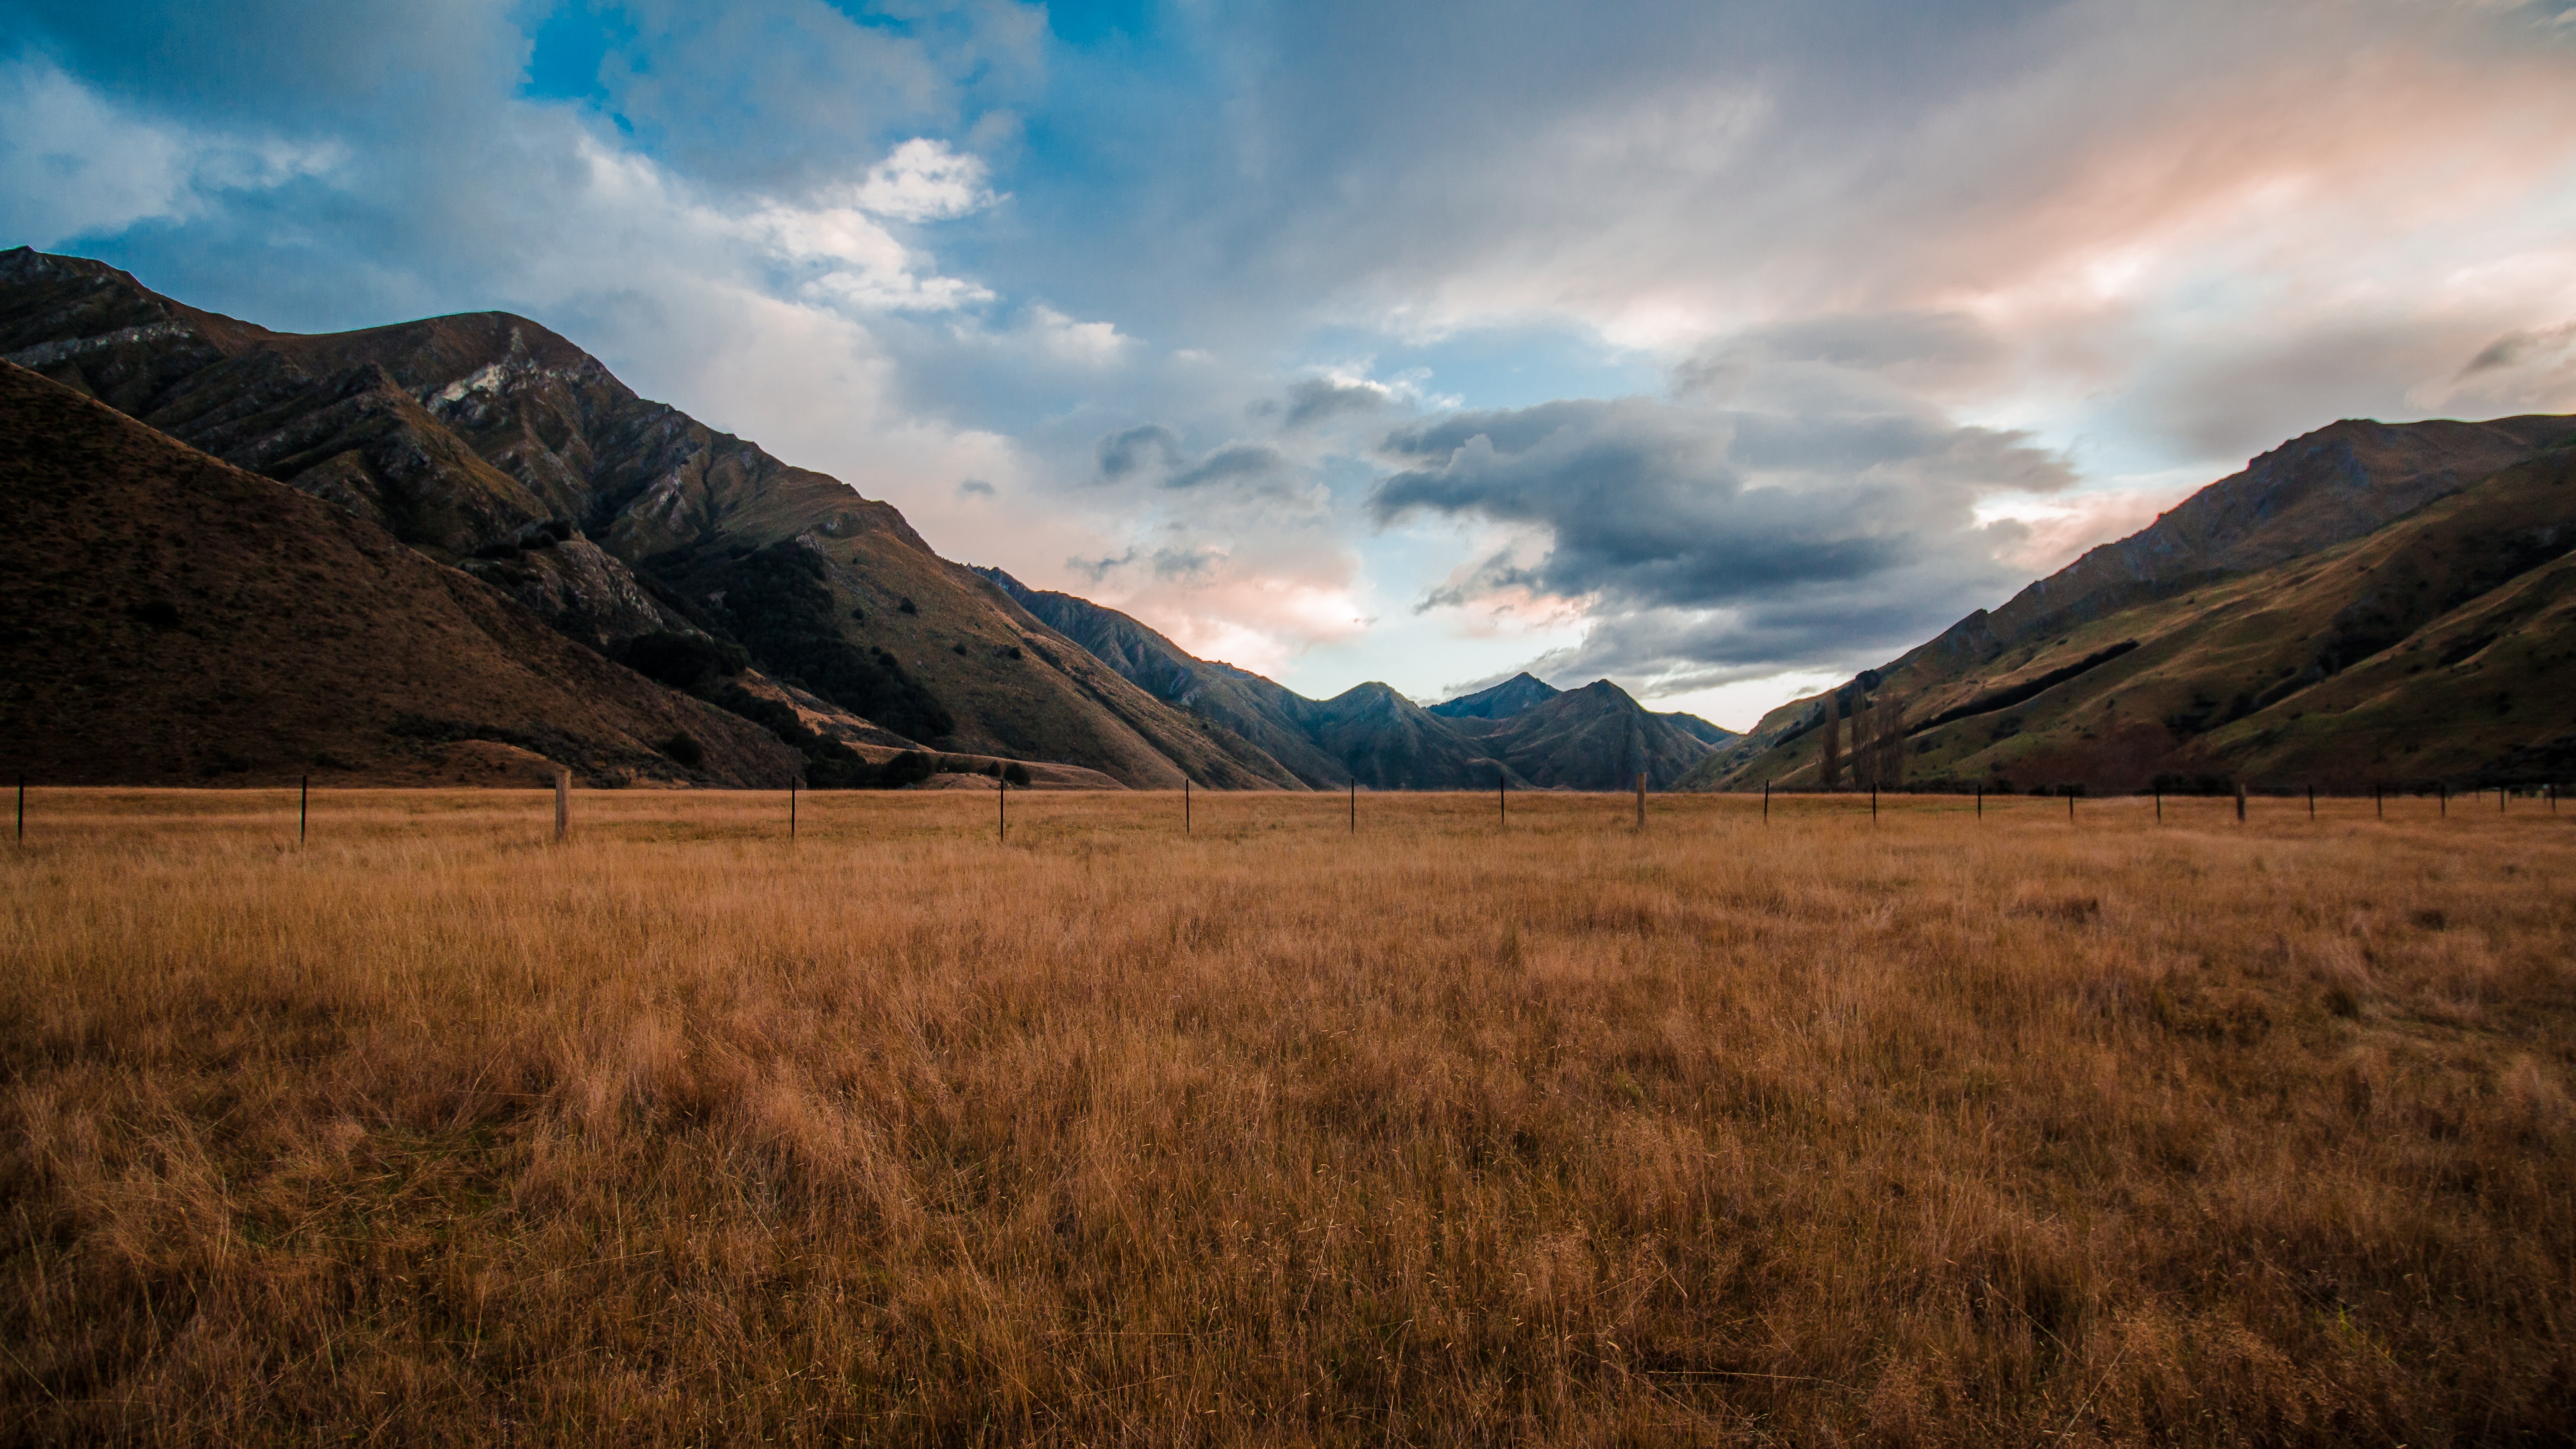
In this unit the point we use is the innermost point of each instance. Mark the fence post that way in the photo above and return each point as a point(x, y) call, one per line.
point(1502, 797)
point(563, 803)
point(2443, 791)
point(1185, 804)
point(1641, 799)
point(2160, 807)
point(2312, 802)
point(2499, 799)
point(2240, 802)
point(1766, 802)
point(2070, 804)
point(1355, 804)
point(303, 808)
point(791, 810)
point(1873, 804)
point(2378, 806)
point(1002, 812)
point(1981, 802)
point(22, 809)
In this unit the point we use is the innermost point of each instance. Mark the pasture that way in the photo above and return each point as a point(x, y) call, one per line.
point(1933, 1129)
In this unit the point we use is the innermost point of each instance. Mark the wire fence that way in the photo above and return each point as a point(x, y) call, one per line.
point(1017, 812)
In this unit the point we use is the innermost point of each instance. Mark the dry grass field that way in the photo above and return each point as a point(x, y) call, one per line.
point(1939, 1130)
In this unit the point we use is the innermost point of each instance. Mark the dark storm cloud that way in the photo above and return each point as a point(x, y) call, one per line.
point(1651, 505)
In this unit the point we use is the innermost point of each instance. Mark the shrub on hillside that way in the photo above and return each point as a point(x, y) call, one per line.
point(683, 661)
point(909, 768)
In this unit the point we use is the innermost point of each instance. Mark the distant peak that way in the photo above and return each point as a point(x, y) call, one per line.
point(1501, 701)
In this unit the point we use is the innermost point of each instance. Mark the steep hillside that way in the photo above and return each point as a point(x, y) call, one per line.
point(1269, 716)
point(487, 440)
point(1593, 738)
point(168, 618)
point(2433, 648)
point(1388, 742)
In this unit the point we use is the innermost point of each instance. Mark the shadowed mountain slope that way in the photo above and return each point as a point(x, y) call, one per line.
point(1502, 701)
point(172, 619)
point(1590, 739)
point(1388, 742)
point(486, 440)
point(1593, 738)
point(2433, 646)
point(1268, 715)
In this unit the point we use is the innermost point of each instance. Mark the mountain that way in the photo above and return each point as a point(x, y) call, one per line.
point(1523, 730)
point(170, 619)
point(1387, 742)
point(1593, 738)
point(1500, 702)
point(489, 442)
point(2369, 604)
point(1267, 715)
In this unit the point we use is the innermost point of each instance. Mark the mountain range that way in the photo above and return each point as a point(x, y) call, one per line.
point(461, 545)
point(2370, 605)
point(461, 549)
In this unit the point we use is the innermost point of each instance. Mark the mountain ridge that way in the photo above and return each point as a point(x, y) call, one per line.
point(2185, 654)
point(490, 442)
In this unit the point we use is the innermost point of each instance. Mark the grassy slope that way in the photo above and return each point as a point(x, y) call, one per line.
point(1943, 1132)
point(2333, 669)
point(299, 636)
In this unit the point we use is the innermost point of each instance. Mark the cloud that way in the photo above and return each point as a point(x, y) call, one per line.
point(1243, 467)
point(1134, 451)
point(922, 180)
point(1319, 399)
point(1767, 534)
point(76, 164)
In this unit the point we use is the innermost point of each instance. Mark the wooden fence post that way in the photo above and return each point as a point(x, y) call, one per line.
point(1873, 804)
point(1641, 799)
point(1002, 812)
point(2312, 802)
point(1766, 802)
point(563, 803)
point(2160, 807)
point(791, 810)
point(1355, 804)
point(2240, 802)
point(2443, 791)
point(1502, 796)
point(22, 809)
point(303, 808)
point(1185, 804)
point(1981, 802)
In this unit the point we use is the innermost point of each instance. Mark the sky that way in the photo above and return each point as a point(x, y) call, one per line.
point(1719, 349)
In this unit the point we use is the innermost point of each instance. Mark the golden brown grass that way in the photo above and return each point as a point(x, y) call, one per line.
point(1938, 1131)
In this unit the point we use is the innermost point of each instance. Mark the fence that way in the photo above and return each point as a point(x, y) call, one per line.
point(2242, 807)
